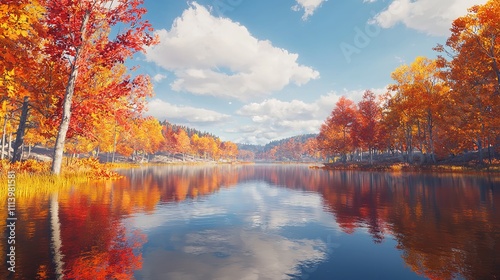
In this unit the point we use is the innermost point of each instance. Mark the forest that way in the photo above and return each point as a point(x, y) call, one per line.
point(436, 109)
point(84, 99)
point(64, 83)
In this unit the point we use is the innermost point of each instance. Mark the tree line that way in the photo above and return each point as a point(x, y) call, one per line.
point(435, 107)
point(64, 82)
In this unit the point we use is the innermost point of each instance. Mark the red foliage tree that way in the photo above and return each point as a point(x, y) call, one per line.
point(76, 35)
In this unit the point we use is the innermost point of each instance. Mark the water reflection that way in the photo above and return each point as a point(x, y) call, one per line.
point(446, 226)
point(73, 234)
point(230, 254)
point(262, 222)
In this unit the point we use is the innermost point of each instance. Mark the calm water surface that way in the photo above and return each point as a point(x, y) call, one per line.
point(261, 222)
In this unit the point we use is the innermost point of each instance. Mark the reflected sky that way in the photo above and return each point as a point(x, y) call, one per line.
point(238, 232)
point(258, 229)
point(262, 222)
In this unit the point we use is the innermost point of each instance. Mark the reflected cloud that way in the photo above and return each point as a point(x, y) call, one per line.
point(233, 254)
point(175, 213)
point(273, 212)
point(307, 200)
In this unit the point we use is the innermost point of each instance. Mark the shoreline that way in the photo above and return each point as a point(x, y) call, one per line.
point(405, 167)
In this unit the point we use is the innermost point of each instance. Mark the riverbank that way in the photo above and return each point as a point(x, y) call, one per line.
point(471, 167)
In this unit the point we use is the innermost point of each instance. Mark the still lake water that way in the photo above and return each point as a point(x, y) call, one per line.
point(262, 222)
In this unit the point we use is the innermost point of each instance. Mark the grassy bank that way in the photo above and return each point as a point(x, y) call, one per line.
point(32, 173)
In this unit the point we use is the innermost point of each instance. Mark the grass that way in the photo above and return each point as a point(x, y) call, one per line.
point(34, 177)
point(31, 184)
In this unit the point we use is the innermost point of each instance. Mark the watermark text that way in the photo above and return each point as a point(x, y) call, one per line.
point(11, 221)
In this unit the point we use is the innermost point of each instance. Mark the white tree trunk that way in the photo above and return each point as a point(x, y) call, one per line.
point(4, 132)
point(68, 96)
point(9, 153)
point(55, 232)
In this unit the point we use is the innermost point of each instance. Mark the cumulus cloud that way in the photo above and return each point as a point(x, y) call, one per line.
point(309, 6)
point(271, 118)
point(274, 119)
point(183, 114)
point(158, 77)
point(215, 56)
point(427, 16)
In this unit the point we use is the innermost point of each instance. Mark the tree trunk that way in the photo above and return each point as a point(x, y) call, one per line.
point(489, 149)
point(4, 134)
point(20, 131)
point(56, 240)
point(480, 149)
point(409, 144)
point(68, 96)
point(430, 126)
point(9, 154)
point(497, 72)
point(421, 139)
point(115, 138)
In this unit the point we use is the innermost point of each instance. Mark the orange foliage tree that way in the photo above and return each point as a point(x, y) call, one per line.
point(416, 103)
point(368, 126)
point(335, 133)
point(474, 75)
point(79, 34)
point(182, 143)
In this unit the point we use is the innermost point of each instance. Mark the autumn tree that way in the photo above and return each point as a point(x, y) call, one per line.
point(147, 136)
point(168, 144)
point(474, 75)
point(75, 35)
point(21, 36)
point(416, 104)
point(229, 150)
point(310, 147)
point(335, 133)
point(246, 155)
point(20, 32)
point(368, 125)
point(182, 143)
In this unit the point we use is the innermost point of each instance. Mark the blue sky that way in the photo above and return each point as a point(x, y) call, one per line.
point(253, 71)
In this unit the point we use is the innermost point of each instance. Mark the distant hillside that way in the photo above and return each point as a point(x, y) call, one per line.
point(251, 148)
point(296, 148)
point(298, 139)
point(190, 131)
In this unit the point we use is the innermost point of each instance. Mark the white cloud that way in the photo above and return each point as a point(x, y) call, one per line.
point(183, 114)
point(216, 56)
point(428, 16)
point(247, 255)
point(158, 77)
point(309, 6)
point(273, 119)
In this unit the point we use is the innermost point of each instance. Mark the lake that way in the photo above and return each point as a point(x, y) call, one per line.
point(261, 222)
